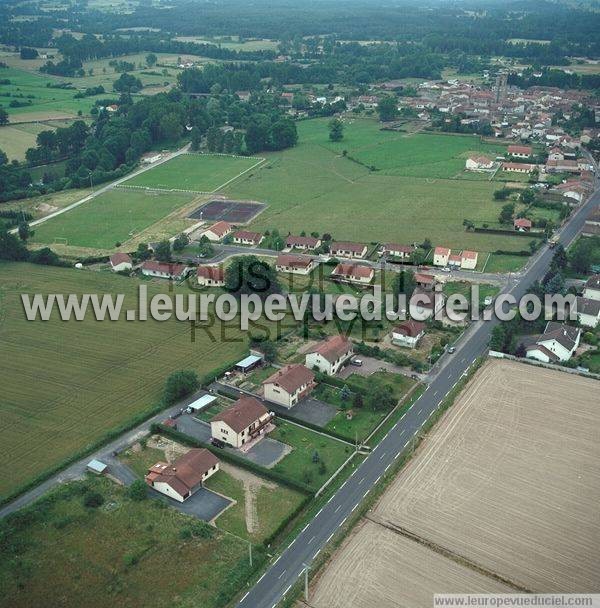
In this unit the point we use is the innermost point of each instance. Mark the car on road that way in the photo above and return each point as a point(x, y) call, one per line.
point(446, 269)
point(451, 349)
point(217, 443)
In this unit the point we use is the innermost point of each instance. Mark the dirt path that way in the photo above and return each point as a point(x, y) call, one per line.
point(252, 485)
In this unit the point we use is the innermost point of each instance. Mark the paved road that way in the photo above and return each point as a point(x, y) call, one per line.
point(284, 572)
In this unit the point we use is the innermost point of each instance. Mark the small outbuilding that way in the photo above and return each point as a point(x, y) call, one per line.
point(97, 467)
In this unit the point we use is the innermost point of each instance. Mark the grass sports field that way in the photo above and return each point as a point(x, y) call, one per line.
point(111, 217)
point(66, 384)
point(412, 196)
point(201, 173)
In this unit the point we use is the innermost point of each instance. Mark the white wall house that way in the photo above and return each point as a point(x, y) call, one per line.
point(289, 384)
point(246, 420)
point(558, 343)
point(295, 264)
point(120, 262)
point(441, 256)
point(588, 312)
point(592, 288)
point(408, 334)
point(330, 355)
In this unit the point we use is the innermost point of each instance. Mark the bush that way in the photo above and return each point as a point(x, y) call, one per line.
point(138, 490)
point(93, 500)
point(179, 385)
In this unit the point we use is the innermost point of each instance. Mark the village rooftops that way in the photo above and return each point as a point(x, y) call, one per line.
point(241, 414)
point(221, 229)
point(358, 271)
point(565, 335)
point(120, 258)
point(333, 348)
point(305, 242)
point(520, 150)
point(441, 251)
point(213, 273)
point(169, 268)
point(291, 377)
point(410, 328)
point(293, 261)
point(347, 246)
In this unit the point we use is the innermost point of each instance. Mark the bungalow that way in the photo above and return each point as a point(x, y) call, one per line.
point(558, 343)
point(518, 167)
point(120, 262)
point(296, 264)
point(353, 273)
point(151, 157)
point(424, 281)
point(588, 311)
point(330, 354)
point(441, 255)
point(520, 151)
point(164, 270)
point(562, 166)
point(592, 288)
point(408, 333)
point(245, 420)
point(468, 260)
point(344, 249)
point(180, 479)
point(218, 231)
point(245, 237)
point(522, 224)
point(289, 384)
point(398, 251)
point(211, 276)
point(479, 163)
point(302, 242)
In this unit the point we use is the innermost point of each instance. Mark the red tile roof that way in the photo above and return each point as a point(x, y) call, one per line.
point(246, 235)
point(241, 414)
point(215, 273)
point(165, 267)
point(441, 251)
point(186, 472)
point(523, 222)
point(333, 347)
point(291, 377)
point(119, 258)
point(408, 249)
point(301, 241)
point(220, 228)
point(469, 255)
point(347, 246)
point(410, 328)
point(293, 261)
point(357, 271)
point(519, 149)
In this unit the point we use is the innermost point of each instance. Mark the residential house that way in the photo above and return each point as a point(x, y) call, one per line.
point(425, 303)
point(289, 384)
point(408, 333)
point(180, 479)
point(243, 95)
point(397, 251)
point(558, 343)
point(588, 311)
point(468, 260)
point(424, 281)
point(454, 260)
point(522, 224)
point(592, 223)
point(150, 157)
point(245, 237)
point(353, 273)
point(520, 151)
point(479, 163)
point(330, 355)
point(211, 276)
point(562, 166)
point(441, 255)
point(296, 264)
point(345, 249)
point(246, 420)
point(120, 262)
point(165, 270)
point(302, 242)
point(518, 167)
point(218, 231)
point(591, 290)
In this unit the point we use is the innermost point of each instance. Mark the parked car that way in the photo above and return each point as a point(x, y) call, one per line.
point(357, 362)
point(217, 443)
point(451, 349)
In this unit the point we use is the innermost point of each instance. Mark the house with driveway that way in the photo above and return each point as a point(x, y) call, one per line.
point(180, 479)
point(408, 333)
point(329, 355)
point(245, 237)
point(165, 270)
point(246, 420)
point(218, 231)
point(295, 264)
point(302, 242)
point(402, 252)
point(353, 273)
point(289, 384)
point(346, 249)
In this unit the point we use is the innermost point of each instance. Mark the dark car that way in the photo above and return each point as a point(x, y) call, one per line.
point(217, 442)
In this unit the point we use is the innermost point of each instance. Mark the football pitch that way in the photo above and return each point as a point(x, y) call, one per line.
point(196, 172)
point(113, 216)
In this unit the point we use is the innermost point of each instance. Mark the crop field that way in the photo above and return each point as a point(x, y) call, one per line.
point(197, 172)
point(65, 385)
point(110, 555)
point(507, 485)
point(113, 216)
point(15, 140)
point(313, 187)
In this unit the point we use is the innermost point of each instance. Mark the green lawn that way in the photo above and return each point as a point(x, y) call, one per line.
point(113, 216)
point(505, 263)
point(464, 288)
point(312, 187)
point(66, 384)
point(298, 464)
point(198, 172)
point(111, 555)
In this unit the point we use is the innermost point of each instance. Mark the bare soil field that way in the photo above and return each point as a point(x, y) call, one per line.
point(378, 567)
point(507, 486)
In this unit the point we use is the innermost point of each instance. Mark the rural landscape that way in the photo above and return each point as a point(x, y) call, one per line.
point(179, 429)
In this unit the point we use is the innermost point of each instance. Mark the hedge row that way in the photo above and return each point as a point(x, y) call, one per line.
point(287, 520)
point(232, 458)
point(522, 252)
point(531, 235)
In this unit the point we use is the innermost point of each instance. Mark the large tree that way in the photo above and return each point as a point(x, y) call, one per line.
point(387, 108)
point(248, 274)
point(336, 129)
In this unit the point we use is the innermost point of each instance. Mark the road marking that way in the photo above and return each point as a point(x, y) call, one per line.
point(281, 574)
point(317, 515)
point(289, 587)
point(382, 456)
point(317, 553)
point(245, 596)
point(306, 526)
point(365, 494)
point(361, 480)
point(419, 411)
point(388, 466)
point(338, 508)
point(343, 521)
point(310, 541)
point(435, 394)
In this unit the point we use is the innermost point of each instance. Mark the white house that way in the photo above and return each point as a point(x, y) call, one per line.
point(588, 312)
point(120, 262)
point(408, 333)
point(246, 420)
point(164, 270)
point(398, 251)
point(245, 237)
point(289, 384)
point(520, 151)
point(468, 260)
point(330, 354)
point(441, 256)
point(591, 290)
point(479, 163)
point(345, 249)
point(353, 273)
point(425, 303)
point(211, 276)
point(180, 479)
point(302, 242)
point(296, 264)
point(218, 231)
point(558, 343)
